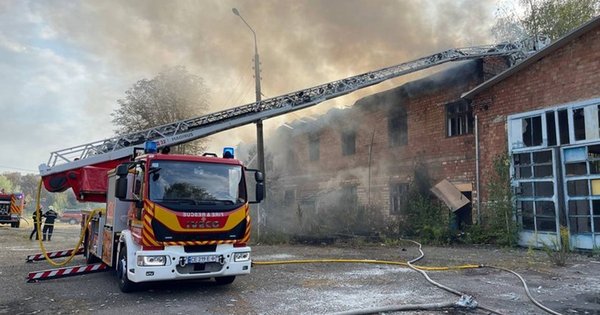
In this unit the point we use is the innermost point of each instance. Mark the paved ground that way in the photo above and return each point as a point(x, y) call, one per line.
point(315, 288)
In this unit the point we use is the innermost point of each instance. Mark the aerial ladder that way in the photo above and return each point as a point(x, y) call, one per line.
point(62, 169)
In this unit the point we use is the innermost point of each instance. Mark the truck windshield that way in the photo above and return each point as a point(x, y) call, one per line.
point(195, 183)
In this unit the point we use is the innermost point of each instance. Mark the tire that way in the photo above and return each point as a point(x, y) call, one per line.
point(125, 284)
point(224, 280)
point(18, 224)
point(72, 221)
point(13, 225)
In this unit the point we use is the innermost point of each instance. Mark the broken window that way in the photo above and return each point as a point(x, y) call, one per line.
point(313, 147)
point(551, 128)
point(563, 127)
point(398, 197)
point(459, 118)
point(532, 131)
point(579, 124)
point(348, 142)
point(397, 129)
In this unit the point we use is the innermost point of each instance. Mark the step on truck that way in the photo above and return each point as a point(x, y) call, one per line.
point(11, 209)
point(171, 217)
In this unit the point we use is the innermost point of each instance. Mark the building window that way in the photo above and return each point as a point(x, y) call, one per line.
point(397, 129)
point(349, 195)
point(459, 118)
point(398, 197)
point(289, 197)
point(534, 190)
point(313, 147)
point(348, 142)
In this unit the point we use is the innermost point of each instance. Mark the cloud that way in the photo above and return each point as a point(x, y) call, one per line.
point(65, 63)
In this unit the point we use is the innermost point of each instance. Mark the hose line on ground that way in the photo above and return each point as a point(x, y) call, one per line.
point(534, 301)
point(400, 308)
point(39, 235)
point(364, 261)
point(420, 269)
point(439, 285)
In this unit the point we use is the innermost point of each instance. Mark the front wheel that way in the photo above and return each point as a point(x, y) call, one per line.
point(225, 280)
point(125, 284)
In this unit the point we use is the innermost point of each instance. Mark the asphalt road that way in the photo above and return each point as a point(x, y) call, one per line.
point(311, 288)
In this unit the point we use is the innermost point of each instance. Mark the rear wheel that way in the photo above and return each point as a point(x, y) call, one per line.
point(125, 284)
point(225, 280)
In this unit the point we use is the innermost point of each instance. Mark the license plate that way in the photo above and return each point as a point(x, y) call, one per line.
point(203, 259)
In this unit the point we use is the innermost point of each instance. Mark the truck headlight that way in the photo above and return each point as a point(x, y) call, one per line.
point(14, 216)
point(245, 256)
point(151, 260)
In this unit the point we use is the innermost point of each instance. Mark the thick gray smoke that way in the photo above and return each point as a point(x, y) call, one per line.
point(301, 43)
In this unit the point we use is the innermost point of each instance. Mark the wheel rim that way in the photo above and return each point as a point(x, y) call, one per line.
point(122, 268)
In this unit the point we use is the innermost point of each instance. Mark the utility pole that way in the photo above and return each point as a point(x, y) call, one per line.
point(260, 147)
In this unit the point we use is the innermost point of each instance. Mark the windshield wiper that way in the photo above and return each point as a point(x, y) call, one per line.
point(178, 200)
point(224, 201)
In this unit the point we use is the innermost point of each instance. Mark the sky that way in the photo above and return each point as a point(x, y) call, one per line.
point(64, 64)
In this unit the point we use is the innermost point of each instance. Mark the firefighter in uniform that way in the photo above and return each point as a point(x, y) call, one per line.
point(35, 222)
point(50, 215)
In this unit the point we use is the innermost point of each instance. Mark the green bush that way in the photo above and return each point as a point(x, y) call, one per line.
point(426, 218)
point(498, 225)
point(559, 252)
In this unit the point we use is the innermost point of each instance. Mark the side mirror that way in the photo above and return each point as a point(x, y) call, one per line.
point(260, 191)
point(121, 188)
point(123, 170)
point(259, 177)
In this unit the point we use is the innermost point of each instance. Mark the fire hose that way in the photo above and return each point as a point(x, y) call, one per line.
point(465, 301)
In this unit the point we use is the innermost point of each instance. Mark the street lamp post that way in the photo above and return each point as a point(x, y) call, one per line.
point(260, 149)
point(259, 125)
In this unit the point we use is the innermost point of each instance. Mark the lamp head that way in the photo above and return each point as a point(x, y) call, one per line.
point(235, 11)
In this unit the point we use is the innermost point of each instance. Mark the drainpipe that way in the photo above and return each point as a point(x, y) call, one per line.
point(369, 168)
point(477, 180)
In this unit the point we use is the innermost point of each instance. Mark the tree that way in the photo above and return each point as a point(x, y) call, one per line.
point(173, 95)
point(5, 185)
point(552, 18)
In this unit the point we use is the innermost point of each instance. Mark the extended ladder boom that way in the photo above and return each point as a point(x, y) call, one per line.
point(187, 130)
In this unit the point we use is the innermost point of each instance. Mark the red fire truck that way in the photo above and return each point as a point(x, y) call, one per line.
point(169, 216)
point(11, 208)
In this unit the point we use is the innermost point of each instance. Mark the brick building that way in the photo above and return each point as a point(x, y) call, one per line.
point(366, 155)
point(544, 112)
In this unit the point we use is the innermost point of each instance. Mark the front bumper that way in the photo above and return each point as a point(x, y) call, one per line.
point(219, 263)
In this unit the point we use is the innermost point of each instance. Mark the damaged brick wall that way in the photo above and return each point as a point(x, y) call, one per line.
point(376, 163)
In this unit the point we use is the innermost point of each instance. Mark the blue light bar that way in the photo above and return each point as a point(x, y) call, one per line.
point(150, 147)
point(228, 152)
